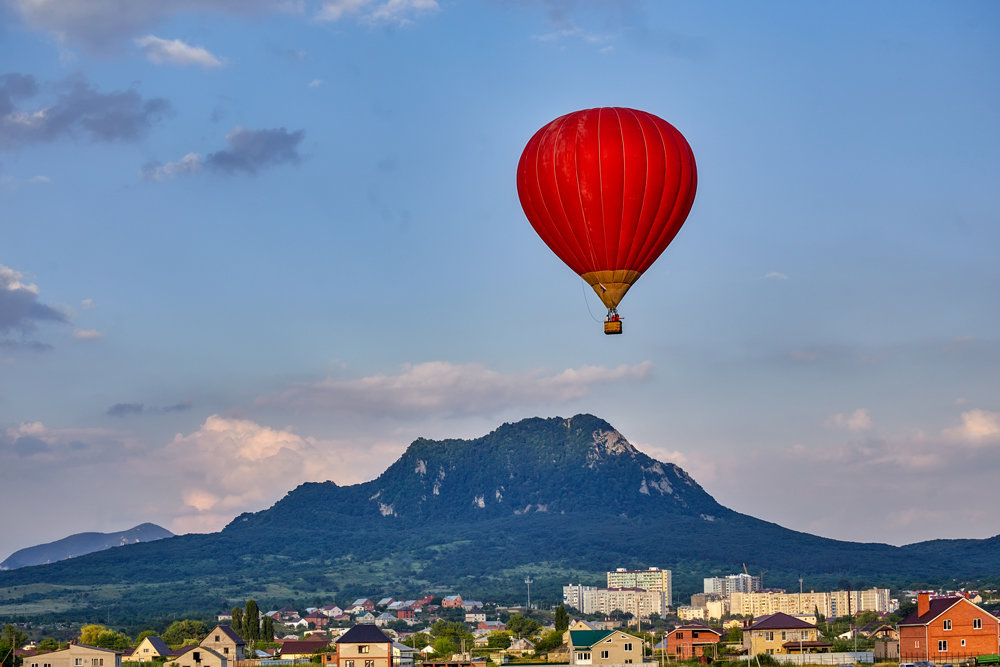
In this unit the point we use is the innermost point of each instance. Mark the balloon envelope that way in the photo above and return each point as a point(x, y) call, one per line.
point(607, 190)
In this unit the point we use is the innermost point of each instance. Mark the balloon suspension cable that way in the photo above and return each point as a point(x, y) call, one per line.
point(587, 301)
point(613, 315)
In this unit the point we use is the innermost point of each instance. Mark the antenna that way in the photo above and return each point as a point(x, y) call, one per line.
point(528, 581)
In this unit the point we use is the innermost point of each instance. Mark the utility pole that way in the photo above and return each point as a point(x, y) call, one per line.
point(528, 580)
point(802, 657)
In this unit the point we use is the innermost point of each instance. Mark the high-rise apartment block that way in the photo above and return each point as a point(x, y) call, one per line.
point(653, 579)
point(732, 583)
point(636, 601)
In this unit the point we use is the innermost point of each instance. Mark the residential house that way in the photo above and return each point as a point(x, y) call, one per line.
point(690, 613)
point(520, 647)
point(947, 629)
point(603, 647)
point(225, 641)
point(492, 626)
point(366, 618)
point(317, 619)
point(403, 655)
point(149, 648)
point(406, 614)
point(331, 611)
point(384, 602)
point(452, 602)
point(475, 617)
point(692, 640)
point(364, 646)
point(286, 614)
point(471, 605)
point(362, 605)
point(384, 619)
point(303, 649)
point(77, 655)
point(781, 633)
point(199, 656)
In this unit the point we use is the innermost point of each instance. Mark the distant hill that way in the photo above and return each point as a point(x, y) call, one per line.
point(563, 500)
point(82, 543)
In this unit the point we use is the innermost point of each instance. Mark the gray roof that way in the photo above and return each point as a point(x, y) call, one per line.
point(364, 634)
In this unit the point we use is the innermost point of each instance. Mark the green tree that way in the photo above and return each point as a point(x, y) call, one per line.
point(418, 640)
point(237, 621)
point(443, 646)
point(180, 632)
point(267, 630)
point(551, 640)
point(103, 637)
point(142, 635)
point(522, 626)
point(11, 639)
point(561, 619)
point(498, 640)
point(251, 621)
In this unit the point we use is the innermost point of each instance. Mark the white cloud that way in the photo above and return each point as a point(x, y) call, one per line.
point(978, 426)
point(775, 275)
point(859, 420)
point(20, 309)
point(315, 83)
point(87, 334)
point(87, 304)
point(443, 388)
point(176, 52)
point(229, 466)
point(189, 164)
point(400, 12)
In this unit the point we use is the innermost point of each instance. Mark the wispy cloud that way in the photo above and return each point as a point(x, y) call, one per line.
point(175, 52)
point(400, 12)
point(446, 389)
point(775, 275)
point(859, 420)
point(77, 110)
point(134, 409)
point(249, 151)
point(21, 311)
point(87, 334)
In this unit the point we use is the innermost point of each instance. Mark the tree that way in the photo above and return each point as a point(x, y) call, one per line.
point(143, 635)
point(443, 646)
point(180, 632)
point(251, 622)
point(102, 637)
point(237, 622)
point(267, 631)
point(498, 640)
point(522, 626)
point(561, 619)
point(11, 639)
point(550, 641)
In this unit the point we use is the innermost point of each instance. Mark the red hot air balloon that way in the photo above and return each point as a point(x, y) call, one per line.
point(607, 190)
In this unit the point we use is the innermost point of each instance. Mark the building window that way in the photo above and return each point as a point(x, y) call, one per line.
point(680, 635)
point(628, 646)
point(369, 663)
point(583, 655)
point(628, 661)
point(348, 663)
point(225, 649)
point(947, 624)
point(783, 635)
point(977, 624)
point(216, 637)
point(604, 654)
point(93, 662)
point(363, 648)
point(963, 642)
point(78, 661)
point(942, 645)
point(769, 636)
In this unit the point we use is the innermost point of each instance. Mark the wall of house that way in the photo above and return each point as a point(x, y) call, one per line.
point(918, 642)
point(76, 656)
point(364, 655)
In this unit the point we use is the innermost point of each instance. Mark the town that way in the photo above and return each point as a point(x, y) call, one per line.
point(631, 620)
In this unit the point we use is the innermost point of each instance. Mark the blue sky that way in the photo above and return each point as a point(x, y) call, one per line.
point(249, 244)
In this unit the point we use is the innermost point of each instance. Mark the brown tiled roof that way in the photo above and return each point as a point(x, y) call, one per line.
point(938, 606)
point(779, 621)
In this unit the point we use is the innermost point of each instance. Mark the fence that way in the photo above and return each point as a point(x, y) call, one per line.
point(843, 658)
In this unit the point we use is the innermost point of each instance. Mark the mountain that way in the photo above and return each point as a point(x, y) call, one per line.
point(563, 500)
point(82, 543)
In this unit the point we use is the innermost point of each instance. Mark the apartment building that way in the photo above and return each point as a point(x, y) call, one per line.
point(830, 604)
point(653, 579)
point(636, 601)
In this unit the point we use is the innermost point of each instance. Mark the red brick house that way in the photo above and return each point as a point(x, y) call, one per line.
point(947, 629)
point(452, 602)
point(406, 614)
point(691, 640)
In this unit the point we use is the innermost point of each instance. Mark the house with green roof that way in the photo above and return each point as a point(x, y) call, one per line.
point(604, 647)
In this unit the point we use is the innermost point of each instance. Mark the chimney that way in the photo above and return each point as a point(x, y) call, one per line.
point(923, 603)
